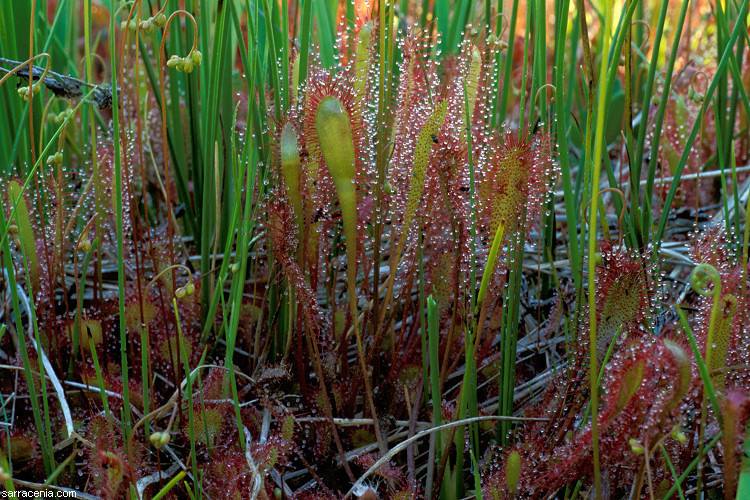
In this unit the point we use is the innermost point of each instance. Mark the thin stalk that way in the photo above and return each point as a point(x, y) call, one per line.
point(380, 161)
point(508, 69)
point(118, 188)
point(480, 308)
point(98, 186)
point(509, 331)
point(562, 141)
point(435, 392)
point(596, 164)
point(12, 284)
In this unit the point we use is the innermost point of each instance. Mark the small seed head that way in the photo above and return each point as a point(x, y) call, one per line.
point(24, 93)
point(155, 439)
point(174, 62)
point(636, 447)
point(85, 245)
point(55, 159)
point(146, 26)
point(680, 437)
point(197, 57)
point(129, 25)
point(165, 437)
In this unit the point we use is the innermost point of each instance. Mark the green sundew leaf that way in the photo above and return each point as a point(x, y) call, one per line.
point(335, 138)
point(362, 63)
point(290, 168)
point(287, 429)
point(25, 231)
point(717, 355)
point(472, 83)
point(513, 471)
point(630, 383)
point(683, 366)
point(421, 159)
point(671, 155)
point(209, 422)
point(295, 75)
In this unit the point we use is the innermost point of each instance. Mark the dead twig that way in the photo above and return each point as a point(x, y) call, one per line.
point(64, 86)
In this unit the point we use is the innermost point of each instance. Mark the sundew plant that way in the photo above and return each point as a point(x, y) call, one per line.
point(374, 250)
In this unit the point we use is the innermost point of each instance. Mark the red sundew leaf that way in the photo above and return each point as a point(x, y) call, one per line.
point(413, 104)
point(388, 470)
point(282, 238)
point(730, 325)
point(736, 409)
point(625, 291)
point(321, 88)
point(515, 179)
point(642, 390)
